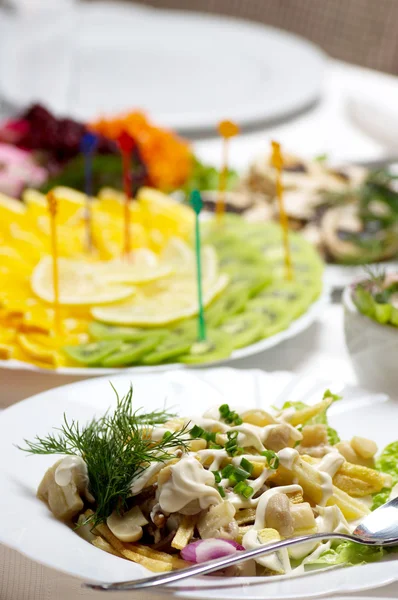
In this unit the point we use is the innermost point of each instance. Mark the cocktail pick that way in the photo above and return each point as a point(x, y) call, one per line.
point(126, 146)
point(277, 163)
point(53, 209)
point(88, 145)
point(197, 205)
point(227, 130)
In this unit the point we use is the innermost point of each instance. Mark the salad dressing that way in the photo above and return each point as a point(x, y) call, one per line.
point(189, 489)
point(327, 469)
point(73, 469)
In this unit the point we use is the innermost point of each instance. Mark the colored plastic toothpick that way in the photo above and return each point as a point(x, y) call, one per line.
point(53, 209)
point(227, 130)
point(126, 146)
point(197, 205)
point(277, 163)
point(88, 145)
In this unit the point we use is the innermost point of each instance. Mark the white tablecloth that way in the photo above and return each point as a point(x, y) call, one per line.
point(320, 349)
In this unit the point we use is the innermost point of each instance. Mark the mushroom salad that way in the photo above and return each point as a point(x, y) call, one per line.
point(350, 214)
point(166, 491)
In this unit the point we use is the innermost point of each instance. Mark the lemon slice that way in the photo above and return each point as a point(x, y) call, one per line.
point(79, 284)
point(122, 271)
point(11, 211)
point(70, 202)
point(180, 255)
point(161, 309)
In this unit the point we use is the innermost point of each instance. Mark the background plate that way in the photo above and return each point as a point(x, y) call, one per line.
point(296, 327)
point(187, 70)
point(27, 525)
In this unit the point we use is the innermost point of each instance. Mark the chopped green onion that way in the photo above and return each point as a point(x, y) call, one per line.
point(247, 465)
point(232, 435)
point(217, 476)
point(229, 416)
point(214, 446)
point(196, 432)
point(238, 474)
point(272, 458)
point(226, 472)
point(209, 436)
point(248, 491)
point(221, 491)
point(240, 487)
point(224, 410)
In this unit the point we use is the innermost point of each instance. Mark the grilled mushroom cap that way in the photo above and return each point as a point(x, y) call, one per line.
point(348, 238)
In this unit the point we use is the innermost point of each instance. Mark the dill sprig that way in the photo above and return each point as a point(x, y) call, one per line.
point(116, 447)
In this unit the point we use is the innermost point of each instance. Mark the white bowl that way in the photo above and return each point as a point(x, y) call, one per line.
point(373, 348)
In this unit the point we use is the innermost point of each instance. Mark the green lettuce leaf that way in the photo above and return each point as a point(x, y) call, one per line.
point(387, 462)
point(348, 554)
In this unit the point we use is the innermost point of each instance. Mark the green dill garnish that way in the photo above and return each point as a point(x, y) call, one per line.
point(115, 450)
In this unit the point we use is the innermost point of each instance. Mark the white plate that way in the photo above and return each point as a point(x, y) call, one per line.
point(294, 329)
point(187, 70)
point(27, 526)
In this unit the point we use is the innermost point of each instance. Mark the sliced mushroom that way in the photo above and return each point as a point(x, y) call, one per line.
point(278, 515)
point(341, 226)
point(65, 496)
point(127, 527)
point(279, 437)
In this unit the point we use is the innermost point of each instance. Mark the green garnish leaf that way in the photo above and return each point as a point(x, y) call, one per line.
point(387, 462)
point(347, 553)
point(114, 449)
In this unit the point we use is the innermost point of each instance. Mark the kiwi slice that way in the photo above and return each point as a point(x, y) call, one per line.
point(184, 329)
point(232, 302)
point(254, 278)
point(170, 348)
point(274, 318)
point(129, 353)
point(217, 346)
point(92, 353)
point(244, 329)
point(101, 331)
point(291, 296)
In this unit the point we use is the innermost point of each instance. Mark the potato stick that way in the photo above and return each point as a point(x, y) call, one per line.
point(303, 415)
point(184, 532)
point(151, 564)
point(100, 543)
point(357, 480)
point(247, 515)
point(351, 508)
point(158, 566)
point(178, 563)
point(296, 497)
point(144, 555)
point(304, 475)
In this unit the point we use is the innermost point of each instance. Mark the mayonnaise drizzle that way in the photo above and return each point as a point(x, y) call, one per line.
point(327, 468)
point(73, 469)
point(189, 484)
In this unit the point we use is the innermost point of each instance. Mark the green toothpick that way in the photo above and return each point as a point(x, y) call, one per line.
point(197, 205)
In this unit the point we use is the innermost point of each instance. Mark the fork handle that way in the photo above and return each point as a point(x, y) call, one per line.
point(222, 563)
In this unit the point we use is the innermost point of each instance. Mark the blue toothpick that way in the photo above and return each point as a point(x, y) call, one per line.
point(88, 145)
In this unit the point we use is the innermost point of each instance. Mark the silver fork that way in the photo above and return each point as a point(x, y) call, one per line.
point(380, 528)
